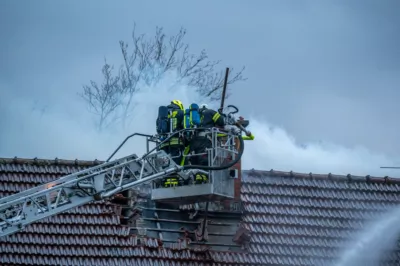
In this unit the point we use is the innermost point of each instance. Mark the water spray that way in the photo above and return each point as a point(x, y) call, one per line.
point(374, 241)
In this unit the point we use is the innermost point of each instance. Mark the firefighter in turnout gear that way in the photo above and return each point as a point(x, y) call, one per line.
point(200, 143)
point(170, 119)
point(191, 120)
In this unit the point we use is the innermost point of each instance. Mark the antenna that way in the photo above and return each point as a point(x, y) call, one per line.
point(390, 167)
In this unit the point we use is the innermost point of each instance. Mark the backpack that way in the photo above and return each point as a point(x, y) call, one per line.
point(192, 116)
point(163, 122)
point(166, 117)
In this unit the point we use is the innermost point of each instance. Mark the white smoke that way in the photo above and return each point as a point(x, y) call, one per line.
point(64, 129)
point(274, 148)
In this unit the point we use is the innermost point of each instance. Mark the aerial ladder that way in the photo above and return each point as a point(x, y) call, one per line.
point(115, 176)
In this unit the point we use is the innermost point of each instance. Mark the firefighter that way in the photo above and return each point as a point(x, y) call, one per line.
point(210, 118)
point(174, 146)
point(201, 142)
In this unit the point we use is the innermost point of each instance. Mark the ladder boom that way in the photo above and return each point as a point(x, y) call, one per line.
point(95, 183)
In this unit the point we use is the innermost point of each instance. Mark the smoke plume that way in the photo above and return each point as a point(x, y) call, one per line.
point(59, 125)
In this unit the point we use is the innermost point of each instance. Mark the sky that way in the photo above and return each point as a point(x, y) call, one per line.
point(321, 88)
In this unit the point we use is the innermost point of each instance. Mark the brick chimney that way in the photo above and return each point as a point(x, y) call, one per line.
point(230, 204)
point(238, 180)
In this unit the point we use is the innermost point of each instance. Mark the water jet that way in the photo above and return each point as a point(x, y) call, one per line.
point(373, 242)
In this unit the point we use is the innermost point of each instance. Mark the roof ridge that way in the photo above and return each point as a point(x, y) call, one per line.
point(272, 172)
point(55, 161)
point(349, 177)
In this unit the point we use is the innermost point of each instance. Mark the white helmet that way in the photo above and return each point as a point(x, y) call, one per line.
point(204, 105)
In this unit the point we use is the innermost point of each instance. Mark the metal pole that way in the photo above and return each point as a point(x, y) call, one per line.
point(224, 89)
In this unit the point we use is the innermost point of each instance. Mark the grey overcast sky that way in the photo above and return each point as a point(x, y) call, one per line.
point(319, 71)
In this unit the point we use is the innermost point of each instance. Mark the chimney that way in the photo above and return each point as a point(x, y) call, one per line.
point(235, 172)
point(238, 179)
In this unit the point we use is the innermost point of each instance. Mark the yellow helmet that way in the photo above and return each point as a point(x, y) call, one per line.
point(178, 103)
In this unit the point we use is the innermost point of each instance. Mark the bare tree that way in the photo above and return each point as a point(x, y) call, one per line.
point(103, 99)
point(146, 62)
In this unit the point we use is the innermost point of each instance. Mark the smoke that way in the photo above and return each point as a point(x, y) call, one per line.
point(58, 125)
point(274, 148)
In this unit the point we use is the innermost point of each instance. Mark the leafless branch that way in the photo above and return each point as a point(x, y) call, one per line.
point(103, 99)
point(145, 62)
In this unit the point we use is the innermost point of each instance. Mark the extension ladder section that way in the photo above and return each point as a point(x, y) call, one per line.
point(96, 183)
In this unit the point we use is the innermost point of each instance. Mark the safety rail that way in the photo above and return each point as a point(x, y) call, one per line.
point(148, 140)
point(215, 133)
point(223, 144)
point(219, 182)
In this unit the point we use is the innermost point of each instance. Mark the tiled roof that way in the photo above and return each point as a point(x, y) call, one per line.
point(304, 219)
point(87, 235)
point(288, 219)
